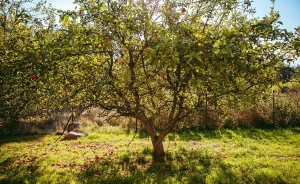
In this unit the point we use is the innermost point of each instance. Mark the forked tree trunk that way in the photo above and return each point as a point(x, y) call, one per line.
point(158, 148)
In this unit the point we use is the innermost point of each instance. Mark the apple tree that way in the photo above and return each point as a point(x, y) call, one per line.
point(24, 30)
point(154, 59)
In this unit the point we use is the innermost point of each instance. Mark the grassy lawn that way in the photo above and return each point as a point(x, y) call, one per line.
point(225, 156)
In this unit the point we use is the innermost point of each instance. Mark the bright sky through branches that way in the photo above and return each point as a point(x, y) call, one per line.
point(288, 9)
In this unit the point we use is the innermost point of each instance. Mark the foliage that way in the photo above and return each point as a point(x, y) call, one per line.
point(23, 34)
point(296, 41)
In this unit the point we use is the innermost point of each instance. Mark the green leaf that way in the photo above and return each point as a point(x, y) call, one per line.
point(66, 21)
point(217, 44)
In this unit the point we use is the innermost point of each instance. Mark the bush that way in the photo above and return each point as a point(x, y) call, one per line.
point(284, 113)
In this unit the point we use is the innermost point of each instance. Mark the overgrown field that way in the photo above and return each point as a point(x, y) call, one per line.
point(220, 156)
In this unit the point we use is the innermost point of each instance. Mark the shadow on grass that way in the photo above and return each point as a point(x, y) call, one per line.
point(21, 174)
point(33, 170)
point(203, 169)
point(177, 167)
point(182, 166)
point(269, 134)
point(19, 138)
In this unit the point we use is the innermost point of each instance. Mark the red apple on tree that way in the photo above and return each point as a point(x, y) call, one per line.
point(34, 77)
point(183, 10)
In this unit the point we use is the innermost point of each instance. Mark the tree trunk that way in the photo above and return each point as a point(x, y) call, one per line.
point(158, 148)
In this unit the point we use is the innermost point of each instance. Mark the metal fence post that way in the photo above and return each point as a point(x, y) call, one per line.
point(273, 104)
point(206, 107)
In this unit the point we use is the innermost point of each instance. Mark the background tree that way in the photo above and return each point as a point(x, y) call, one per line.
point(23, 32)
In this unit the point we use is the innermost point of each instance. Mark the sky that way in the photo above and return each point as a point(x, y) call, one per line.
point(289, 11)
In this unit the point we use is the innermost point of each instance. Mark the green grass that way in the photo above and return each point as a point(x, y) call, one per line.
point(221, 156)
